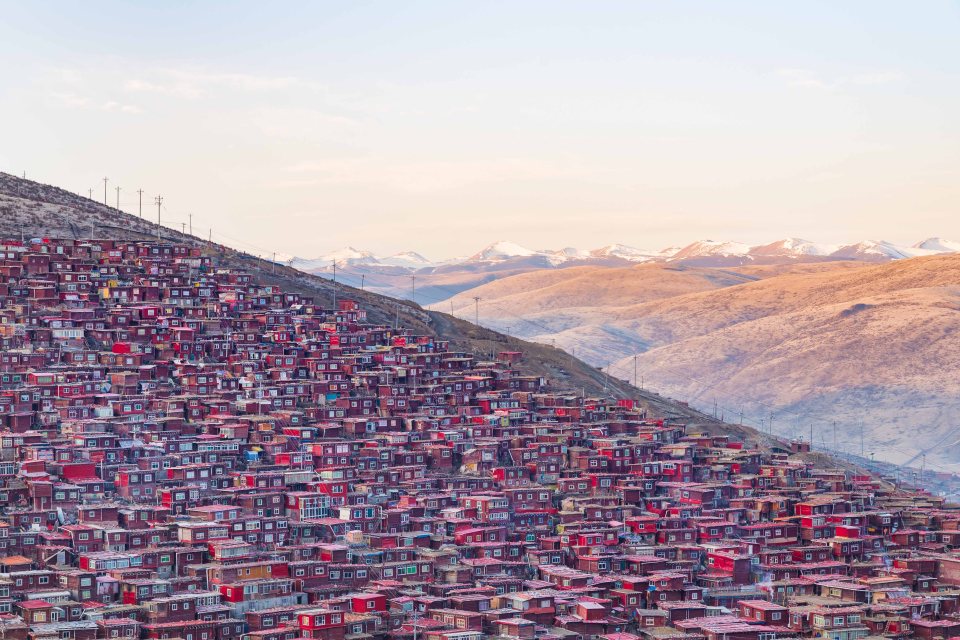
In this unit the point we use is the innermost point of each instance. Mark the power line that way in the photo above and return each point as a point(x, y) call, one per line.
point(159, 201)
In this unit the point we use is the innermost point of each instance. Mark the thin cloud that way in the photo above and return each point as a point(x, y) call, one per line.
point(298, 122)
point(810, 79)
point(179, 90)
point(806, 78)
point(883, 77)
point(112, 105)
point(183, 83)
point(431, 176)
point(68, 100)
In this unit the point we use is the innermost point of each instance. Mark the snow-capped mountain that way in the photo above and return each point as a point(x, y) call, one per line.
point(794, 247)
point(342, 257)
point(879, 250)
point(406, 259)
point(569, 253)
point(938, 245)
point(703, 253)
point(629, 254)
point(501, 250)
point(710, 253)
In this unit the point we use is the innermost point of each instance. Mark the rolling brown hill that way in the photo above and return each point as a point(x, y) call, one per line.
point(878, 344)
point(811, 344)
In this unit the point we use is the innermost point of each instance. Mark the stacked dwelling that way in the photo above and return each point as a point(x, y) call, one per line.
point(187, 453)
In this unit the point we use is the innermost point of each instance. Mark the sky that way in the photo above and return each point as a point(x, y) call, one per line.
point(440, 127)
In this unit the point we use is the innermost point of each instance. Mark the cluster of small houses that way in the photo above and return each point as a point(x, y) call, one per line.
point(187, 453)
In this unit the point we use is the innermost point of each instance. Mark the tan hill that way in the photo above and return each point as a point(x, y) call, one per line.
point(810, 343)
point(587, 310)
point(607, 287)
point(571, 307)
point(878, 344)
point(886, 359)
point(592, 286)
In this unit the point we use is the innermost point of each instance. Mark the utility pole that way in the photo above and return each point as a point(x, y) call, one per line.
point(923, 466)
point(413, 288)
point(811, 436)
point(476, 310)
point(834, 435)
point(416, 620)
point(158, 200)
point(118, 197)
point(190, 215)
point(210, 235)
point(771, 423)
point(363, 277)
point(140, 193)
point(183, 228)
point(89, 194)
point(335, 289)
point(861, 437)
point(635, 370)
point(105, 191)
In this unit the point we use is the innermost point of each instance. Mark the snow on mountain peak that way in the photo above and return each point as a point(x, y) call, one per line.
point(407, 259)
point(624, 252)
point(873, 250)
point(342, 257)
point(349, 255)
point(501, 250)
point(794, 247)
point(702, 253)
point(712, 248)
point(938, 245)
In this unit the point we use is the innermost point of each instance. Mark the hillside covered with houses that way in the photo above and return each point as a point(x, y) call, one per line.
point(189, 452)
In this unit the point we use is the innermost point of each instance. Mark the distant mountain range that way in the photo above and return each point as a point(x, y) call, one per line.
point(413, 276)
point(704, 253)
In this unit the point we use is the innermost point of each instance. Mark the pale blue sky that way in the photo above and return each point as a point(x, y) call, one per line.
point(442, 126)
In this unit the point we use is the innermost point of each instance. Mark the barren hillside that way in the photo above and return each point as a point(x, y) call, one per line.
point(36, 210)
point(879, 345)
point(590, 286)
point(809, 343)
